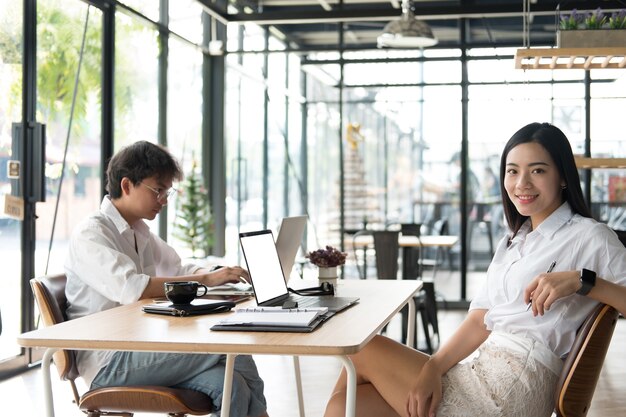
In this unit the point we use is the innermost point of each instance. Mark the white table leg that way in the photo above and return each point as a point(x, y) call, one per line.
point(350, 385)
point(47, 382)
point(410, 331)
point(296, 367)
point(228, 384)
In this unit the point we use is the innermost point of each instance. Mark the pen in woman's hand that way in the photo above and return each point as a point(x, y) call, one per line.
point(550, 268)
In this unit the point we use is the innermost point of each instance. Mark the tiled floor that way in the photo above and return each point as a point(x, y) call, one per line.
point(22, 395)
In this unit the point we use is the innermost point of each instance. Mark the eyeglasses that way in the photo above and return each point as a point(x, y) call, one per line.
point(161, 194)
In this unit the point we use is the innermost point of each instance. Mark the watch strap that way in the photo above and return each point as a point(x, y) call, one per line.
point(587, 281)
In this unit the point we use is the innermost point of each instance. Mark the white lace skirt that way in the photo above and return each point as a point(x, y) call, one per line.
point(511, 377)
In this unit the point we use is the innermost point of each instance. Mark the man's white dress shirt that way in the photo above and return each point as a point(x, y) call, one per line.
point(104, 270)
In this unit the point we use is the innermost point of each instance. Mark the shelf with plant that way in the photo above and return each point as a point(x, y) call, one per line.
point(585, 40)
point(591, 29)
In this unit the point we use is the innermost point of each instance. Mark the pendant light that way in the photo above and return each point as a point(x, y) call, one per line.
point(406, 31)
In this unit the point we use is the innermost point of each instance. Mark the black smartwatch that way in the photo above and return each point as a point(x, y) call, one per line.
point(587, 281)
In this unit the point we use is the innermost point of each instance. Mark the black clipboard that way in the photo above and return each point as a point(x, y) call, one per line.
point(195, 308)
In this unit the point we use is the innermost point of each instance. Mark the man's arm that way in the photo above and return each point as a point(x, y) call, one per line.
point(224, 275)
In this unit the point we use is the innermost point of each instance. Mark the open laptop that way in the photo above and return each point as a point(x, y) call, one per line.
point(288, 241)
point(268, 282)
point(290, 233)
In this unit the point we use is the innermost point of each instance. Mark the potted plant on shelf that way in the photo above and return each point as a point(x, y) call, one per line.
point(592, 29)
point(327, 260)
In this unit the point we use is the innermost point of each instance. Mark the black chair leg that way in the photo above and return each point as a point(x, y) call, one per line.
point(430, 304)
point(425, 322)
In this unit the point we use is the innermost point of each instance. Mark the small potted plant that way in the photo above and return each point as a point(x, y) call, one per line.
point(327, 260)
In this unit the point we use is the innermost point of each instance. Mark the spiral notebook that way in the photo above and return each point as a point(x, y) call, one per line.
point(273, 319)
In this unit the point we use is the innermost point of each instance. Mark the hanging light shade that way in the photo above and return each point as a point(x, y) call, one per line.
point(406, 32)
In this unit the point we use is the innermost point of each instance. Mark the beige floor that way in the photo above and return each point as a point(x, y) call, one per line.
point(22, 395)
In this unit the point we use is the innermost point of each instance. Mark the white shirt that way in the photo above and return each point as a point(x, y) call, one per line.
point(574, 242)
point(104, 270)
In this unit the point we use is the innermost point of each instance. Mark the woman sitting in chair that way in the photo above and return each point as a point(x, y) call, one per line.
point(547, 275)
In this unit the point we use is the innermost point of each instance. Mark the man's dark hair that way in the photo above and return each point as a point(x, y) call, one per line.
point(553, 140)
point(137, 162)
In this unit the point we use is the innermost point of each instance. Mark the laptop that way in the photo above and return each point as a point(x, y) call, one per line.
point(268, 281)
point(290, 233)
point(288, 241)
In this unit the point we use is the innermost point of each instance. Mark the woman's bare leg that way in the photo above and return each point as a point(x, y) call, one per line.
point(385, 370)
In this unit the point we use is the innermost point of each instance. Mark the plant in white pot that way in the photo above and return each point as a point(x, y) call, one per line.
point(327, 260)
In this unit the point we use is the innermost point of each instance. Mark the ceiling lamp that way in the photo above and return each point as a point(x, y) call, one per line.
point(406, 31)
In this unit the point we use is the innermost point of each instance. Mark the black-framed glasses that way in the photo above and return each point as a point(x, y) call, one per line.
point(161, 194)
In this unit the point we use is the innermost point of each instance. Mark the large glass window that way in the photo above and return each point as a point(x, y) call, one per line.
point(11, 29)
point(184, 118)
point(608, 186)
point(136, 85)
point(278, 141)
point(185, 18)
point(71, 112)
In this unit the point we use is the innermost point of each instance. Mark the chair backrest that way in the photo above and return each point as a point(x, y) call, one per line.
point(441, 227)
point(411, 229)
point(582, 367)
point(49, 293)
point(387, 250)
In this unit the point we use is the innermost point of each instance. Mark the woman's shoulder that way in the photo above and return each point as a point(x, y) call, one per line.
point(591, 230)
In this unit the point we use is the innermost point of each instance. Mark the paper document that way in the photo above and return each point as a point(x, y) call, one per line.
point(239, 288)
point(273, 316)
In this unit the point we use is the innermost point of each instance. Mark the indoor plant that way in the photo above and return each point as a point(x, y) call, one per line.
point(327, 260)
point(592, 29)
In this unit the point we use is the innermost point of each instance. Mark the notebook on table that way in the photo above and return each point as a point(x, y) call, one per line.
point(268, 281)
point(196, 307)
point(273, 319)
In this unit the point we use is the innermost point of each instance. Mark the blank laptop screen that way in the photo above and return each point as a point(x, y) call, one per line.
point(263, 264)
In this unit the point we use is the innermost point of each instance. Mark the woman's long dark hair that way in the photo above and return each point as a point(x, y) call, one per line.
point(555, 142)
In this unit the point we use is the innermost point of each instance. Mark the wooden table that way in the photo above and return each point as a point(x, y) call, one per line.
point(128, 328)
point(407, 243)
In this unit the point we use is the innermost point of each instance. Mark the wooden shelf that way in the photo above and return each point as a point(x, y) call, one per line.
point(591, 163)
point(570, 58)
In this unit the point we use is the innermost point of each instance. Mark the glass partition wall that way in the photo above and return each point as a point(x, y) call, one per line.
point(391, 124)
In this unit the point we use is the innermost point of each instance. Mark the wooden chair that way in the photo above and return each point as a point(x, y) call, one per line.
point(49, 292)
point(582, 367)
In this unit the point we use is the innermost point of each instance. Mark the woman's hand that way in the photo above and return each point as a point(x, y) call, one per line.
point(546, 288)
point(425, 396)
point(223, 275)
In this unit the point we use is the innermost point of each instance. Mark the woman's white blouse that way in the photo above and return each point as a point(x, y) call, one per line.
point(574, 242)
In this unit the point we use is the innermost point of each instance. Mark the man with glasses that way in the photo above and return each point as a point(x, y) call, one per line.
point(114, 259)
